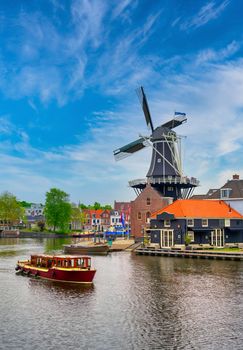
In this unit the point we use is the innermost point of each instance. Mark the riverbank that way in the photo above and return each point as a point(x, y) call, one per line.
point(198, 254)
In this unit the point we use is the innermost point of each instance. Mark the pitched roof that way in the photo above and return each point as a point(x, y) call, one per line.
point(235, 186)
point(199, 208)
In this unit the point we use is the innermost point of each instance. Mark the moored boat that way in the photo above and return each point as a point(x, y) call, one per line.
point(93, 249)
point(62, 268)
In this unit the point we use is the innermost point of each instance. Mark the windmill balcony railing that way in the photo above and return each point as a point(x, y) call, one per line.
point(166, 179)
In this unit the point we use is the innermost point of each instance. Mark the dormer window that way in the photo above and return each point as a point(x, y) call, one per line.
point(166, 223)
point(225, 193)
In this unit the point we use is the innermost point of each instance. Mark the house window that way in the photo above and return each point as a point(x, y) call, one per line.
point(224, 192)
point(204, 222)
point(148, 201)
point(190, 222)
point(139, 215)
point(159, 160)
point(148, 217)
point(227, 222)
point(166, 223)
point(170, 188)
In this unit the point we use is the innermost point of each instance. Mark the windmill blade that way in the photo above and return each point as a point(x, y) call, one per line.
point(173, 123)
point(144, 103)
point(130, 148)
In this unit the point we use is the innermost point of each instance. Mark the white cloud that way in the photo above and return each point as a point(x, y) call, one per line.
point(208, 12)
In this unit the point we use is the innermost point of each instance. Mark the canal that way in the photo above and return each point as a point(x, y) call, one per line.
point(136, 302)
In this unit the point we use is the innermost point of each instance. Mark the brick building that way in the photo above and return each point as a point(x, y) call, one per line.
point(147, 202)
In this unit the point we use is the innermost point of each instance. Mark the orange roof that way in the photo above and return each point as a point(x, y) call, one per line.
point(97, 212)
point(200, 208)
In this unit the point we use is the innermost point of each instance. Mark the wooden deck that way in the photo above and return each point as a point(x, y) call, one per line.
point(199, 254)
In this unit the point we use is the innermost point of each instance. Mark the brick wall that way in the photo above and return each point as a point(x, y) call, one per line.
point(144, 205)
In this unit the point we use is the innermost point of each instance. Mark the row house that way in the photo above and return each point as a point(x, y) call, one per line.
point(124, 208)
point(103, 220)
point(98, 220)
point(115, 218)
point(198, 222)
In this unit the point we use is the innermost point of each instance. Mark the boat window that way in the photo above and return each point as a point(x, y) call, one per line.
point(72, 262)
point(88, 262)
point(65, 263)
point(58, 262)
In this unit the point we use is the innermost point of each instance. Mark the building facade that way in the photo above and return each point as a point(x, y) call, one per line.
point(202, 222)
point(147, 202)
point(231, 192)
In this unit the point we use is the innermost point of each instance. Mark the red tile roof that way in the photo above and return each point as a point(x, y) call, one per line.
point(199, 209)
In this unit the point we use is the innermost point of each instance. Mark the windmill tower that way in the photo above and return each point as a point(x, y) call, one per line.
point(165, 172)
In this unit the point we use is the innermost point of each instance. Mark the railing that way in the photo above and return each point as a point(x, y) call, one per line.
point(165, 179)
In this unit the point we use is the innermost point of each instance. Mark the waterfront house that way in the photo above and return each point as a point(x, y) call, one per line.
point(115, 218)
point(201, 221)
point(231, 192)
point(96, 220)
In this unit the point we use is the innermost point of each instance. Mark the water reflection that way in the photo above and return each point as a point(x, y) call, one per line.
point(58, 288)
point(55, 244)
point(136, 302)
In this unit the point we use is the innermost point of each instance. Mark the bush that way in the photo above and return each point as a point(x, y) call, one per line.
point(41, 225)
point(187, 240)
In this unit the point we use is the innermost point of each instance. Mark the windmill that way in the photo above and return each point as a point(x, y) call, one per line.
point(165, 172)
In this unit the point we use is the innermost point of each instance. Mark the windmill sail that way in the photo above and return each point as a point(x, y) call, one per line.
point(173, 123)
point(130, 148)
point(144, 103)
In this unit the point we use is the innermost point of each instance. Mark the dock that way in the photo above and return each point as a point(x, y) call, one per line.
point(199, 254)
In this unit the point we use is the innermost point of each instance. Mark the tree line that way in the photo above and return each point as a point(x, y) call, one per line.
point(58, 210)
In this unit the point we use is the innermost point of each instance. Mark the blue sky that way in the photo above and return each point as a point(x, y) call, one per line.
point(68, 75)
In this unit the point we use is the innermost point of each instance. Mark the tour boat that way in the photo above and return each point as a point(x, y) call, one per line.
point(93, 249)
point(62, 268)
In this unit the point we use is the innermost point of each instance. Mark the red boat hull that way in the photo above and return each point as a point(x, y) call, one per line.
point(61, 275)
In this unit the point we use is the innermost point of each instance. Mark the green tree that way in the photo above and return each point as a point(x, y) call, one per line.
point(77, 216)
point(10, 209)
point(24, 204)
point(83, 206)
point(96, 206)
point(107, 207)
point(57, 209)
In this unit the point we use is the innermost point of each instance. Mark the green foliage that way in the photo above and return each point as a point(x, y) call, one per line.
point(95, 206)
point(77, 215)
point(24, 204)
point(187, 239)
point(10, 209)
point(57, 209)
point(41, 225)
point(107, 207)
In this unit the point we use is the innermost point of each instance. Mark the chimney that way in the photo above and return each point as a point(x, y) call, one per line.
point(236, 177)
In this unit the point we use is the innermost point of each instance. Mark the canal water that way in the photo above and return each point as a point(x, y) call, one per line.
point(136, 302)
